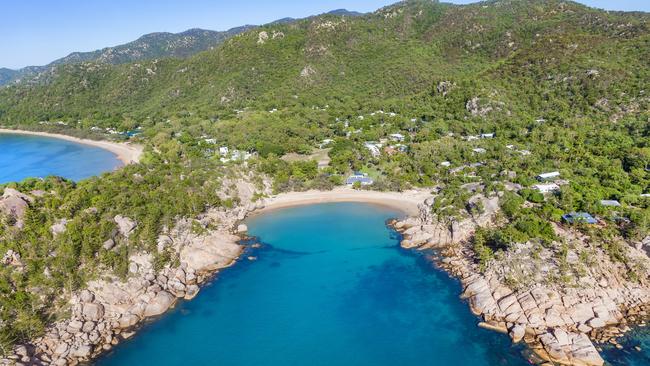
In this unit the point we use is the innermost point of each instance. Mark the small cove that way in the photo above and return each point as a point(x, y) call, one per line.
point(329, 286)
point(27, 156)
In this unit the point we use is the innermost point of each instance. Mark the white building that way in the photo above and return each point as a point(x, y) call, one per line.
point(396, 137)
point(373, 148)
point(487, 135)
point(547, 188)
point(325, 143)
point(223, 151)
point(445, 164)
point(479, 150)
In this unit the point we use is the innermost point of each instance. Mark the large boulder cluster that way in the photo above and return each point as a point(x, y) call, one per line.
point(558, 322)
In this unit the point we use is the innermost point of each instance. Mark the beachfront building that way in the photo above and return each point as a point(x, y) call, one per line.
point(363, 179)
point(579, 217)
point(547, 188)
point(545, 177)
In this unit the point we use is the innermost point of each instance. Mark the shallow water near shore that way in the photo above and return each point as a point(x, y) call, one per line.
point(330, 286)
point(25, 156)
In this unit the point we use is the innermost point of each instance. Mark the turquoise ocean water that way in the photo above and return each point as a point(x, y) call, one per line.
point(330, 286)
point(24, 156)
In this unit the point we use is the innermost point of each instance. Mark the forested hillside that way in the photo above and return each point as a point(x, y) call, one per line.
point(520, 57)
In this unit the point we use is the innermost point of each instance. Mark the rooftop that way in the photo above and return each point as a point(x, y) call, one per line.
point(579, 217)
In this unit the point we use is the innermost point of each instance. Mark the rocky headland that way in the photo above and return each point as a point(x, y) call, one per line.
point(560, 321)
point(109, 310)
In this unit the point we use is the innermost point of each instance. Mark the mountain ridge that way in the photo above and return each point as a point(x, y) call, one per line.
point(148, 46)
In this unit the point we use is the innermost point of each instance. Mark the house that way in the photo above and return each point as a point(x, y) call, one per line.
point(325, 143)
point(210, 141)
point(579, 217)
point(373, 148)
point(487, 135)
point(544, 177)
point(471, 138)
point(363, 179)
point(396, 137)
point(547, 188)
point(445, 164)
point(223, 151)
point(610, 203)
point(479, 150)
point(524, 152)
point(510, 147)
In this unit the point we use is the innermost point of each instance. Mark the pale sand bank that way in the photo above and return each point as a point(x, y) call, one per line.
point(127, 153)
point(406, 201)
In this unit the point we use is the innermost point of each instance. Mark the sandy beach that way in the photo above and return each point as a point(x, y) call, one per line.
point(127, 153)
point(406, 201)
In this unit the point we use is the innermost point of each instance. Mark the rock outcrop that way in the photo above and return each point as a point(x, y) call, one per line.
point(125, 225)
point(558, 322)
point(14, 204)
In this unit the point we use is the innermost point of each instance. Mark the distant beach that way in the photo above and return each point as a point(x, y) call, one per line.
point(126, 153)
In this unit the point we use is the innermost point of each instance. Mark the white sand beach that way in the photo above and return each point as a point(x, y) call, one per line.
point(126, 152)
point(406, 201)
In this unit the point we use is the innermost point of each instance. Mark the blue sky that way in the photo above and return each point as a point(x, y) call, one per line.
point(35, 32)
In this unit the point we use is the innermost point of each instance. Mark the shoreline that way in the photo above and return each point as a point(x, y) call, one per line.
point(125, 152)
point(407, 202)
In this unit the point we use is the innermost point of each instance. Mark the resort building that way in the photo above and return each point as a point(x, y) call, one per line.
point(363, 179)
point(373, 148)
point(396, 137)
point(579, 217)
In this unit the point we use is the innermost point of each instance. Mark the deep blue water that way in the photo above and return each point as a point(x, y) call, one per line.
point(629, 356)
point(330, 287)
point(24, 156)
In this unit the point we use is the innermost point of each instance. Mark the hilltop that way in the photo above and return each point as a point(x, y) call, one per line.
point(513, 57)
point(148, 47)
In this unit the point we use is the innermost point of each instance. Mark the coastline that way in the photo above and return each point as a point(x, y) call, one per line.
point(146, 295)
point(408, 201)
point(125, 152)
